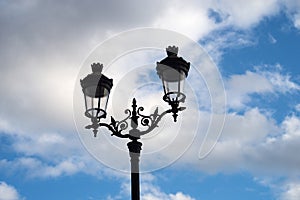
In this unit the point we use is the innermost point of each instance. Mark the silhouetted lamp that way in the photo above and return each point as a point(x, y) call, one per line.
point(173, 71)
point(96, 88)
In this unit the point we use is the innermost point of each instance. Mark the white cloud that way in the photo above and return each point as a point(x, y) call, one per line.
point(35, 168)
point(272, 39)
point(292, 10)
point(162, 196)
point(297, 107)
point(152, 192)
point(8, 192)
point(217, 42)
point(260, 81)
point(190, 19)
point(246, 14)
point(239, 87)
point(291, 191)
point(232, 151)
point(291, 126)
point(51, 146)
point(6, 127)
point(297, 20)
point(257, 145)
point(149, 191)
point(280, 82)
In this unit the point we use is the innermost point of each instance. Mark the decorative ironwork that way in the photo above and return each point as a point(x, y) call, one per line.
point(150, 121)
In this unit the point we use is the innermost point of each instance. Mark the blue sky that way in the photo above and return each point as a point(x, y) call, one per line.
point(254, 45)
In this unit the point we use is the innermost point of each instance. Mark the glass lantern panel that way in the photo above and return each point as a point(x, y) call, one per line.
point(96, 91)
point(173, 83)
point(96, 104)
point(103, 102)
point(181, 82)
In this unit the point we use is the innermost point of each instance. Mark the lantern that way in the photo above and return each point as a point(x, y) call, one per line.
point(96, 89)
point(173, 71)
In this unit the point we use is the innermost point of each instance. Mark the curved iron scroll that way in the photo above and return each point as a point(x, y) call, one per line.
point(150, 121)
point(154, 119)
point(116, 127)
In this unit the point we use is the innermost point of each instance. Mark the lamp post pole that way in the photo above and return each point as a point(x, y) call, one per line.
point(134, 152)
point(135, 148)
point(96, 88)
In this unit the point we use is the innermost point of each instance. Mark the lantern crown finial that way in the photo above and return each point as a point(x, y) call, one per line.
point(97, 68)
point(172, 50)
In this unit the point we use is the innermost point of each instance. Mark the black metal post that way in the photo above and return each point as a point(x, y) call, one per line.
point(135, 148)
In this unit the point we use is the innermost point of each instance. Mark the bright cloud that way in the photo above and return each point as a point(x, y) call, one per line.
point(34, 167)
point(150, 191)
point(297, 107)
point(261, 81)
point(189, 19)
point(216, 43)
point(257, 144)
point(292, 9)
point(162, 196)
point(8, 192)
point(291, 191)
point(241, 86)
point(245, 15)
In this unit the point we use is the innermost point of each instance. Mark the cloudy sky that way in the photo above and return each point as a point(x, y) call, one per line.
point(252, 49)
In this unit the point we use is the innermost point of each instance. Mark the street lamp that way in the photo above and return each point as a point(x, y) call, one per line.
point(172, 71)
point(96, 87)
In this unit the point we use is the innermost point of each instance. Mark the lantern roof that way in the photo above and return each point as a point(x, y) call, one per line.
point(173, 61)
point(96, 79)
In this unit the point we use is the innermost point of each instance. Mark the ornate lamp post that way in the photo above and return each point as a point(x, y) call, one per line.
point(96, 87)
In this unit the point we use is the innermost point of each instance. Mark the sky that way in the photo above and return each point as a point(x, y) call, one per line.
point(237, 139)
